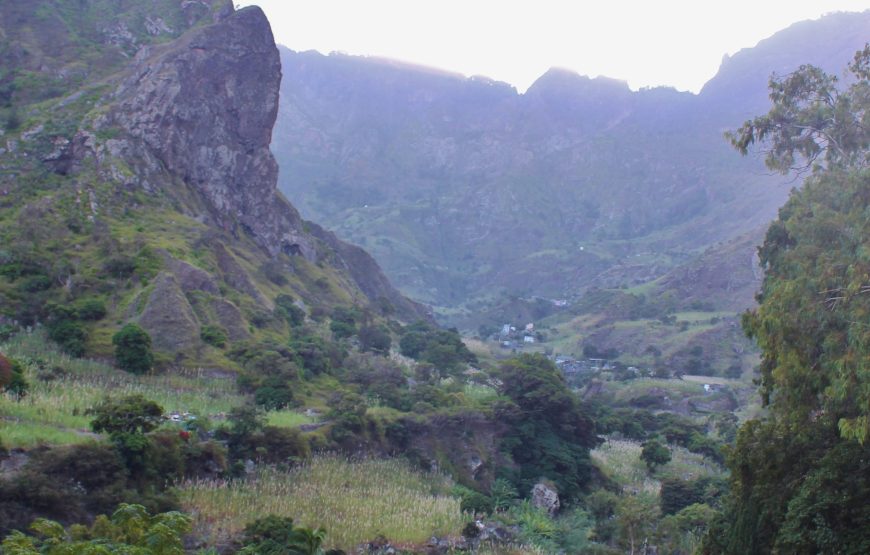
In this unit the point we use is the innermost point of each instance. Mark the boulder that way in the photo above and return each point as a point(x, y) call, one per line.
point(545, 497)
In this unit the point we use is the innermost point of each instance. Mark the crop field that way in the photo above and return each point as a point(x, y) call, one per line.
point(62, 389)
point(620, 459)
point(354, 501)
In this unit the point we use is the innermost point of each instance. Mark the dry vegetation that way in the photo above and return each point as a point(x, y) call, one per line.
point(355, 501)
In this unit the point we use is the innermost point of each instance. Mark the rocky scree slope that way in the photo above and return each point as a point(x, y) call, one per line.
point(144, 179)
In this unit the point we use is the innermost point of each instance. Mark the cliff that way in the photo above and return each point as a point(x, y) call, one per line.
point(147, 182)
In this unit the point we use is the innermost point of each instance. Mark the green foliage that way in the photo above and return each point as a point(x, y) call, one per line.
point(127, 420)
point(133, 414)
point(443, 349)
point(65, 330)
point(474, 502)
point(549, 433)
point(130, 530)
point(655, 454)
point(285, 308)
point(70, 483)
point(814, 120)
point(343, 322)
point(676, 494)
point(503, 493)
point(273, 535)
point(248, 437)
point(91, 309)
point(214, 335)
point(273, 394)
point(375, 338)
point(12, 377)
point(799, 479)
point(133, 349)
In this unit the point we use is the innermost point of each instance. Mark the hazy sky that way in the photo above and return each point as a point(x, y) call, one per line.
point(678, 43)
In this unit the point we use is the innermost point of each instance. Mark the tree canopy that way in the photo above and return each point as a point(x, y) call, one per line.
point(800, 478)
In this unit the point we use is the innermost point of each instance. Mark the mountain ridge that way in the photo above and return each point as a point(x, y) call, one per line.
point(467, 189)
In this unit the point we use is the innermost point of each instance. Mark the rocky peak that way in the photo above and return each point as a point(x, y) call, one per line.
point(204, 105)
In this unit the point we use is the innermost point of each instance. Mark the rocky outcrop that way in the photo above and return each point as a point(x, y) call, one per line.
point(546, 498)
point(168, 317)
point(204, 105)
point(190, 278)
point(202, 109)
point(230, 318)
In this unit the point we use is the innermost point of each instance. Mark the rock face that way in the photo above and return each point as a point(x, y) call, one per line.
point(546, 498)
point(168, 317)
point(205, 106)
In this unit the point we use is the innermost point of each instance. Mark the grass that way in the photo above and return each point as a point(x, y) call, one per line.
point(620, 460)
point(355, 501)
point(28, 434)
point(55, 411)
point(635, 388)
point(288, 418)
point(479, 393)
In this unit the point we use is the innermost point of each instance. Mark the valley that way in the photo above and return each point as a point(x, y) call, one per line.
point(598, 329)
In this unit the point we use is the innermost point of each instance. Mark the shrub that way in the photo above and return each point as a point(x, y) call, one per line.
point(273, 394)
point(655, 454)
point(12, 377)
point(91, 309)
point(215, 336)
point(34, 284)
point(375, 339)
point(133, 349)
point(476, 503)
point(70, 335)
point(286, 308)
point(344, 322)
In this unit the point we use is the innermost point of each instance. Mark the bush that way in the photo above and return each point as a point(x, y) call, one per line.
point(120, 267)
point(34, 284)
point(215, 336)
point(273, 394)
point(12, 377)
point(70, 335)
point(375, 339)
point(91, 309)
point(655, 454)
point(133, 349)
point(344, 320)
point(475, 503)
point(286, 308)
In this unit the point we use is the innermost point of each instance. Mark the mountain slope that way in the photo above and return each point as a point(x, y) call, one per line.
point(464, 189)
point(147, 185)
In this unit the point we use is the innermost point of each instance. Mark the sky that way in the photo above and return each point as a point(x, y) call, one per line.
point(648, 43)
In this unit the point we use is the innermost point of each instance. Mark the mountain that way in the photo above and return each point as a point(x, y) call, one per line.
point(136, 175)
point(466, 191)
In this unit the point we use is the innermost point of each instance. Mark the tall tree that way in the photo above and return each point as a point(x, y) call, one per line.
point(801, 477)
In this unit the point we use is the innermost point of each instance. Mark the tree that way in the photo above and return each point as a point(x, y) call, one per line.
point(130, 530)
point(275, 535)
point(813, 122)
point(549, 433)
point(133, 414)
point(127, 420)
point(133, 349)
point(375, 339)
point(800, 477)
point(654, 454)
